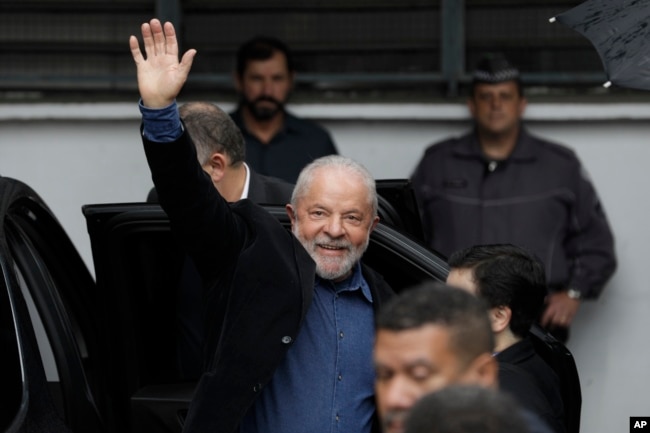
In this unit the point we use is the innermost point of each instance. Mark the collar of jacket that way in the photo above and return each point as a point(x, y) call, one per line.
point(518, 352)
point(469, 147)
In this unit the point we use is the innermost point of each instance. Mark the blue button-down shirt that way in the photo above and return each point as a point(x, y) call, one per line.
point(325, 383)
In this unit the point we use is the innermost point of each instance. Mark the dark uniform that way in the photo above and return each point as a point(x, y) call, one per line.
point(538, 198)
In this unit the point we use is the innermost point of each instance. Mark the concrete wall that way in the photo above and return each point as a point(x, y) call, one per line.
point(80, 154)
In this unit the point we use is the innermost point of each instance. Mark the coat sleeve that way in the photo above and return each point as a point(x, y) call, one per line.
point(590, 242)
point(200, 218)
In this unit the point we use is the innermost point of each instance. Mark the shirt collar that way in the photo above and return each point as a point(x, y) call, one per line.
point(524, 150)
point(247, 182)
point(354, 282)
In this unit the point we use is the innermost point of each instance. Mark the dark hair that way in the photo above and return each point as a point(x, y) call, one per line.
point(493, 69)
point(506, 275)
point(212, 130)
point(466, 409)
point(434, 303)
point(262, 48)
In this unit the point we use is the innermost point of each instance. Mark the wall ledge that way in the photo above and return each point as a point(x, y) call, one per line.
point(556, 112)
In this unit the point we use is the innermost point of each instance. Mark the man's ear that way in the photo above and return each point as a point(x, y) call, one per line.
point(471, 106)
point(374, 223)
point(216, 166)
point(292, 78)
point(238, 82)
point(500, 318)
point(523, 103)
point(291, 212)
point(483, 371)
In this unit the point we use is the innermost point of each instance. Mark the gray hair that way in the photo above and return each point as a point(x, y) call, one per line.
point(306, 177)
point(212, 131)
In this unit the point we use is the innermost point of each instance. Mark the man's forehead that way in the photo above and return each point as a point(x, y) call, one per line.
point(496, 87)
point(462, 278)
point(412, 340)
point(334, 177)
point(275, 56)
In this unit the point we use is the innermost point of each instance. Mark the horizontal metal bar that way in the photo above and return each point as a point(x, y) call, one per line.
point(76, 7)
point(352, 78)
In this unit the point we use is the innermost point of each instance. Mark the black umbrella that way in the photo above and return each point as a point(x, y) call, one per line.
point(620, 32)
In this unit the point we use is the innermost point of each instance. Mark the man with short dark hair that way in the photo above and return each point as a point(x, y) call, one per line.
point(277, 142)
point(427, 338)
point(500, 184)
point(512, 283)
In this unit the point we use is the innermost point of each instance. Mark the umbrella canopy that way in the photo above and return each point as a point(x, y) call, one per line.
point(620, 32)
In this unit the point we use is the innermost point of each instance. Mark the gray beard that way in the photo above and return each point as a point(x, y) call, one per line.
point(342, 266)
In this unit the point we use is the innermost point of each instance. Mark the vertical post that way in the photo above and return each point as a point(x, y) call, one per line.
point(452, 52)
point(170, 10)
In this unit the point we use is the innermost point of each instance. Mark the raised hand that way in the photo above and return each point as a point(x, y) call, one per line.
point(160, 75)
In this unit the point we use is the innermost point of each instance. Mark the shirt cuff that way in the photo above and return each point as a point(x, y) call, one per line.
point(162, 125)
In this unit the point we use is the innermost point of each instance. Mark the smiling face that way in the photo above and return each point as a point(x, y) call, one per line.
point(333, 220)
point(411, 363)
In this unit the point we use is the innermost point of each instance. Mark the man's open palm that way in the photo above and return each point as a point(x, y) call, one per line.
point(160, 75)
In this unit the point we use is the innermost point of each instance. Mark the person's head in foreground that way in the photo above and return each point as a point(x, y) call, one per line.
point(466, 409)
point(427, 338)
point(333, 210)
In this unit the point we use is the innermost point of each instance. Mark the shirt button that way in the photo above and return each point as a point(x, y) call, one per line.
point(341, 334)
point(286, 339)
point(340, 377)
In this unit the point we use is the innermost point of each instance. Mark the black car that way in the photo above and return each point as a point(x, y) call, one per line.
point(112, 338)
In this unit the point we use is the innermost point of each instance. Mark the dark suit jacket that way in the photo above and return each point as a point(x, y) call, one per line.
point(533, 382)
point(268, 190)
point(261, 190)
point(259, 282)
